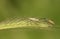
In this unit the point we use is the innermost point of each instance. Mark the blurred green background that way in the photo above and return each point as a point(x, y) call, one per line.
point(30, 8)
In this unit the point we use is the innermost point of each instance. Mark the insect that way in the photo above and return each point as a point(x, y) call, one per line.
point(42, 19)
point(28, 22)
point(42, 22)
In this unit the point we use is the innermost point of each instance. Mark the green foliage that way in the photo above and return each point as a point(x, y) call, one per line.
point(30, 8)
